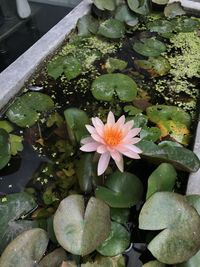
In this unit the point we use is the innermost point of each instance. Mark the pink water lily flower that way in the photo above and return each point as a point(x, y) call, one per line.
point(112, 140)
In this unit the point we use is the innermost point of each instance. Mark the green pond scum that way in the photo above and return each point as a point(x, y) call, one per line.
point(125, 60)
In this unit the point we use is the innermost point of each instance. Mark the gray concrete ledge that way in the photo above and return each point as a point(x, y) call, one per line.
point(65, 3)
point(13, 78)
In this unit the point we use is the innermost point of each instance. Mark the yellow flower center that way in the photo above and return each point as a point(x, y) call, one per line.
point(112, 136)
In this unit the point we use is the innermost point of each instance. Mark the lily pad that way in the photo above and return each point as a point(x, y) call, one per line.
point(174, 9)
point(54, 259)
point(104, 87)
point(123, 13)
point(104, 4)
point(5, 153)
point(162, 179)
point(140, 6)
point(194, 201)
point(71, 67)
point(122, 190)
point(86, 172)
point(55, 67)
point(81, 230)
point(132, 111)
point(179, 239)
point(185, 24)
point(154, 264)
point(149, 47)
point(26, 109)
point(180, 157)
point(26, 250)
point(100, 261)
point(154, 66)
point(15, 144)
point(192, 262)
point(159, 113)
point(112, 28)
point(117, 242)
point(113, 64)
point(87, 25)
point(160, 26)
point(12, 209)
point(160, 2)
point(6, 125)
point(76, 120)
point(120, 215)
point(150, 133)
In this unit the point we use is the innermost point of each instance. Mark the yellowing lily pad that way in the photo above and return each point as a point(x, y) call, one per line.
point(104, 87)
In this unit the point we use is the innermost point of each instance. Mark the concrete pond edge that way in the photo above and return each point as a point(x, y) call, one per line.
point(13, 78)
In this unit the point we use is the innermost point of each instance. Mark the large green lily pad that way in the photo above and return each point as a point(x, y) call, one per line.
point(121, 190)
point(87, 25)
point(149, 47)
point(139, 6)
point(123, 13)
point(104, 87)
point(117, 242)
point(120, 215)
point(162, 179)
point(26, 250)
point(5, 153)
point(79, 229)
point(112, 28)
point(154, 264)
point(26, 109)
point(54, 259)
point(105, 4)
point(180, 157)
point(179, 239)
point(12, 223)
point(76, 120)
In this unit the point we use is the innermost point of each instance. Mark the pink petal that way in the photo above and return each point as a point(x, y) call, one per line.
point(98, 138)
point(120, 163)
point(90, 147)
point(131, 134)
point(131, 154)
point(103, 163)
point(102, 149)
point(115, 155)
point(99, 126)
point(111, 118)
point(128, 125)
point(86, 140)
point(120, 122)
point(90, 129)
point(133, 148)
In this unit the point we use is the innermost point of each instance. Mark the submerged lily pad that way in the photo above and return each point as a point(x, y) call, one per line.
point(26, 250)
point(149, 47)
point(81, 230)
point(123, 13)
point(155, 66)
point(185, 24)
point(122, 190)
point(160, 26)
point(180, 239)
point(120, 215)
point(5, 153)
point(104, 87)
point(113, 64)
point(26, 109)
point(180, 157)
point(76, 120)
point(12, 223)
point(112, 28)
point(117, 242)
point(162, 179)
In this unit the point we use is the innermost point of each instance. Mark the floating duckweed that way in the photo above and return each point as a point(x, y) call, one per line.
point(186, 63)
